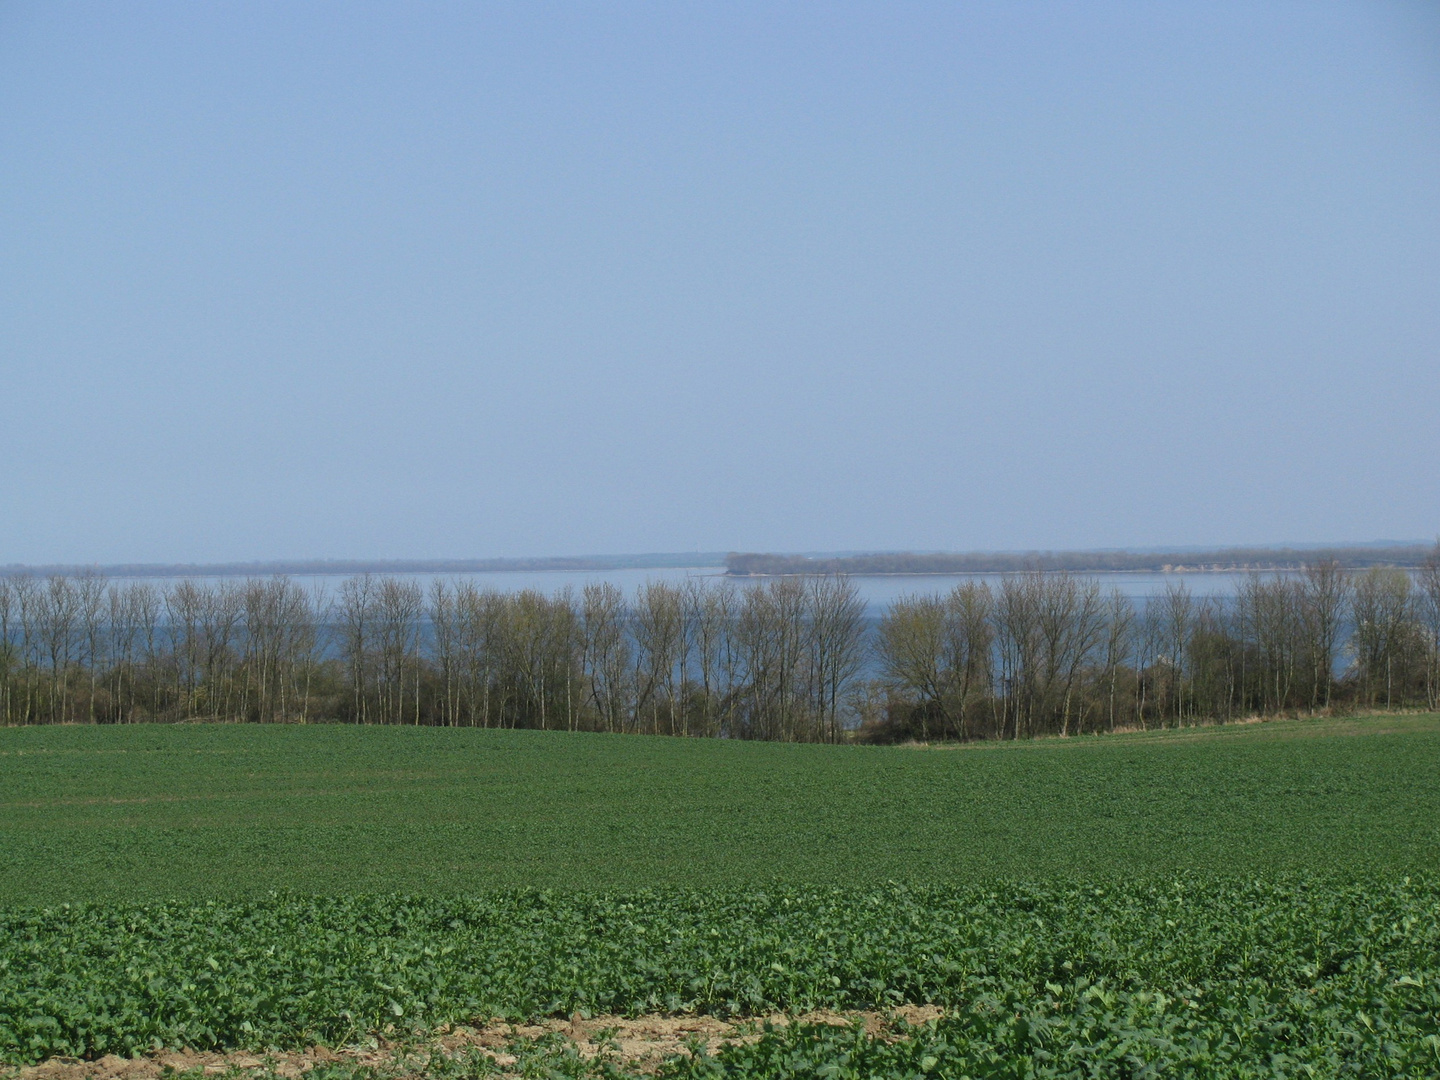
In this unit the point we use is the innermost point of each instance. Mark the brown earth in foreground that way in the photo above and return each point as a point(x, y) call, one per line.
point(640, 1044)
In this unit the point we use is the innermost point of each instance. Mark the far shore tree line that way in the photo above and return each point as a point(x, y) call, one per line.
point(789, 659)
point(756, 564)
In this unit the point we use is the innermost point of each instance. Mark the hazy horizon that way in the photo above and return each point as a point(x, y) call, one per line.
point(655, 560)
point(399, 282)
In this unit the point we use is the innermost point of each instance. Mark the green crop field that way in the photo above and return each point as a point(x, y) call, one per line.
point(1190, 971)
point(91, 813)
point(1260, 900)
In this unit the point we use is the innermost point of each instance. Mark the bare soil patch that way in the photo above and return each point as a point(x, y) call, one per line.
point(640, 1044)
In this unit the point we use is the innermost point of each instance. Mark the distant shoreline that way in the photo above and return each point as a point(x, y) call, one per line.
point(350, 567)
point(1219, 561)
point(766, 565)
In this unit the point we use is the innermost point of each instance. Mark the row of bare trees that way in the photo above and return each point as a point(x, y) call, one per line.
point(791, 659)
point(79, 649)
point(777, 661)
point(1045, 653)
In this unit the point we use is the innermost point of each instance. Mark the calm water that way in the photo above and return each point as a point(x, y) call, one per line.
point(877, 591)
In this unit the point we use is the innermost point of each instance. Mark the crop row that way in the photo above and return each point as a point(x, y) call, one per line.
point(1335, 976)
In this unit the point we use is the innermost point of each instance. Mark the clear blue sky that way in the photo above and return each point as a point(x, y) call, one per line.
point(357, 280)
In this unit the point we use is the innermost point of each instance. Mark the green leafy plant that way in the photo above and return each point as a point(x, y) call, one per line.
point(1153, 974)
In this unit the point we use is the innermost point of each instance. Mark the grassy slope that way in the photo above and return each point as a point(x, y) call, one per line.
point(150, 812)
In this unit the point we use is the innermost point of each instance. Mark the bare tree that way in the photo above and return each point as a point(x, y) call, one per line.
point(1274, 607)
point(936, 652)
point(480, 619)
point(1215, 656)
point(184, 602)
point(90, 602)
point(123, 633)
point(659, 630)
point(605, 616)
point(836, 619)
point(685, 653)
point(1325, 591)
point(279, 656)
point(356, 610)
point(566, 646)
point(969, 644)
point(1382, 607)
point(9, 663)
point(1430, 590)
point(59, 617)
point(1119, 641)
point(539, 636)
point(29, 599)
point(1019, 635)
point(146, 605)
point(1149, 661)
point(1071, 623)
point(1176, 613)
point(399, 605)
point(445, 641)
point(220, 623)
point(769, 637)
point(914, 658)
point(711, 623)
